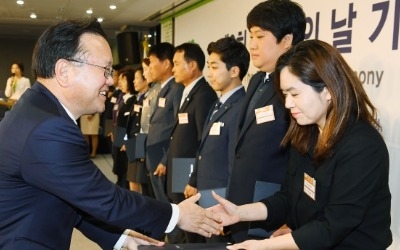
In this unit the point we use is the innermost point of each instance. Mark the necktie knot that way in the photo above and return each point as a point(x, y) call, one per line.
point(216, 107)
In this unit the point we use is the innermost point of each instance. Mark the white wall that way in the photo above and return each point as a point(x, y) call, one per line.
point(377, 62)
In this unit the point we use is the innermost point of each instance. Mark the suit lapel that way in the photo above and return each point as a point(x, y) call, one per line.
point(162, 94)
point(187, 100)
point(263, 101)
point(191, 93)
point(221, 111)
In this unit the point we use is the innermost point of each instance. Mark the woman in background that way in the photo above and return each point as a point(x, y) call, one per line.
point(336, 192)
point(137, 172)
point(125, 82)
point(17, 83)
point(90, 125)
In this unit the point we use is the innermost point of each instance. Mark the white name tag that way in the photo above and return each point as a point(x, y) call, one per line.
point(116, 107)
point(183, 118)
point(265, 114)
point(113, 99)
point(309, 186)
point(216, 128)
point(137, 108)
point(161, 102)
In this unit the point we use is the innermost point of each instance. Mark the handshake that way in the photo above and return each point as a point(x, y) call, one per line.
point(192, 218)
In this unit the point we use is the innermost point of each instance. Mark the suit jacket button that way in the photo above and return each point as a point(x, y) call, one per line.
point(199, 157)
point(172, 137)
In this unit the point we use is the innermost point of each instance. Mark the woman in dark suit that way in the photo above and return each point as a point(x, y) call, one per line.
point(137, 172)
point(120, 166)
point(336, 193)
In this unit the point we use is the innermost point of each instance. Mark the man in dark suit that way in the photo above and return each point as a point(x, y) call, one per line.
point(163, 117)
point(197, 99)
point(48, 183)
point(263, 120)
point(228, 63)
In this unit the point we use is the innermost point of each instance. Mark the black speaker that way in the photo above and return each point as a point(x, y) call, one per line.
point(128, 48)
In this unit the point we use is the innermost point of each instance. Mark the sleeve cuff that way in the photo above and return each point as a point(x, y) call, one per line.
point(121, 240)
point(174, 218)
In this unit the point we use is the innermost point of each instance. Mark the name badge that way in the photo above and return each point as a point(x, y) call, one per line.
point(161, 102)
point(216, 128)
point(146, 102)
point(113, 99)
point(137, 108)
point(309, 186)
point(265, 114)
point(183, 118)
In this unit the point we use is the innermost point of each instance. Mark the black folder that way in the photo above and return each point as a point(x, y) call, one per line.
point(135, 147)
point(263, 190)
point(108, 127)
point(119, 136)
point(182, 168)
point(207, 200)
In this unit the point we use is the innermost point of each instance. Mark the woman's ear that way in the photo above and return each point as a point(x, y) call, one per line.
point(328, 95)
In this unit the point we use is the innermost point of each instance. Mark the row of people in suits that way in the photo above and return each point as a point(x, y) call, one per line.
point(182, 123)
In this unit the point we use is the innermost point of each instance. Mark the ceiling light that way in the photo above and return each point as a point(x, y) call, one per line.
point(89, 11)
point(113, 7)
point(33, 15)
point(20, 2)
point(100, 19)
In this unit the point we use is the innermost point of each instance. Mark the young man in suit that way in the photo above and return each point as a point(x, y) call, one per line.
point(48, 183)
point(228, 63)
point(197, 99)
point(274, 26)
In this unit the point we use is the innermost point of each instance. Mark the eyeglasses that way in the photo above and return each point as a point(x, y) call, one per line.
point(108, 71)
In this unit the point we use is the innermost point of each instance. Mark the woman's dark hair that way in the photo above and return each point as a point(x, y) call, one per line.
point(320, 65)
point(129, 74)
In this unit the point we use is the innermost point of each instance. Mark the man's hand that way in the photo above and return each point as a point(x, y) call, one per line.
point(195, 219)
point(161, 170)
point(189, 191)
point(136, 239)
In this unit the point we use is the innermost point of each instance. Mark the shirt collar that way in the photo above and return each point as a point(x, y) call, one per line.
point(226, 96)
point(189, 88)
point(69, 113)
point(165, 82)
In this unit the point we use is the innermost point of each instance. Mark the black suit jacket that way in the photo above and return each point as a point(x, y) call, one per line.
point(351, 209)
point(49, 185)
point(161, 124)
point(258, 154)
point(185, 138)
point(216, 152)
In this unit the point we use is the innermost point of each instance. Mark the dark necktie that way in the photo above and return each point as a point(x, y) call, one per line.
point(256, 96)
point(216, 107)
point(119, 102)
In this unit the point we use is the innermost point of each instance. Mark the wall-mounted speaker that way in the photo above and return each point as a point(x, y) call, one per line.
point(128, 48)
